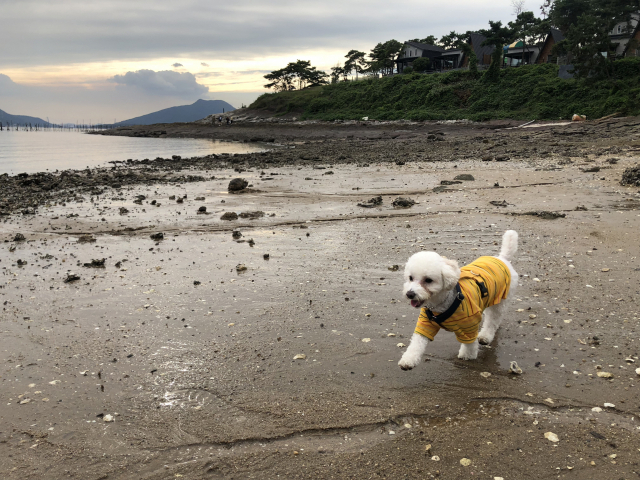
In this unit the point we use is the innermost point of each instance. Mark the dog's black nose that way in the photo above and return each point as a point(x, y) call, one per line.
point(411, 295)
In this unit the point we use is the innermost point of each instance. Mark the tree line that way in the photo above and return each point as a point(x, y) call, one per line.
point(586, 25)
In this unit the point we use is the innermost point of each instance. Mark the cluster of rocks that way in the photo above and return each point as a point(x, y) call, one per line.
point(631, 177)
point(402, 202)
point(373, 202)
point(26, 192)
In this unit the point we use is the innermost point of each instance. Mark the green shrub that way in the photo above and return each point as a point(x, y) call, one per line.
point(421, 64)
point(527, 93)
point(627, 67)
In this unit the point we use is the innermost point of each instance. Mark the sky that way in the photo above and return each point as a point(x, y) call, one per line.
point(100, 61)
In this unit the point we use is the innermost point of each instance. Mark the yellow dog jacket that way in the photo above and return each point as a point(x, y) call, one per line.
point(483, 283)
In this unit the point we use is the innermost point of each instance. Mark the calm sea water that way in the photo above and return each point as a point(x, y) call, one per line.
point(40, 151)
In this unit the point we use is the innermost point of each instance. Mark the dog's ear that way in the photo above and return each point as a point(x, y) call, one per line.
point(450, 273)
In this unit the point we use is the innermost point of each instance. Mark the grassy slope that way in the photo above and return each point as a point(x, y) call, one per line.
point(530, 92)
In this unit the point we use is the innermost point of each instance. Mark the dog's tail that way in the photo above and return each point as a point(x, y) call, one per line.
point(509, 245)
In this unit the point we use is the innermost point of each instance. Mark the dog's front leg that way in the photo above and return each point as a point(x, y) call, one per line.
point(413, 355)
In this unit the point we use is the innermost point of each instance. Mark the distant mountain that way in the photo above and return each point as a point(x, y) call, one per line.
point(6, 118)
point(185, 113)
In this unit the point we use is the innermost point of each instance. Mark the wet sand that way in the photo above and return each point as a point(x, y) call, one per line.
point(194, 360)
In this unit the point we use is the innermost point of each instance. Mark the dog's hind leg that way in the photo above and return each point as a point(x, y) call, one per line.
point(468, 351)
point(492, 320)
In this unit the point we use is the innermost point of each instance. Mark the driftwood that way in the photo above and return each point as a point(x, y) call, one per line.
point(608, 117)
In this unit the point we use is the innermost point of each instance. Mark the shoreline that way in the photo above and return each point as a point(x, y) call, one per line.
point(329, 145)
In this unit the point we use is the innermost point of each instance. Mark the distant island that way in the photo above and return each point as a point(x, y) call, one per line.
point(8, 119)
point(184, 113)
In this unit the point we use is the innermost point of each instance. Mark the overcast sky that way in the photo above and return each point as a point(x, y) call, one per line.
point(115, 59)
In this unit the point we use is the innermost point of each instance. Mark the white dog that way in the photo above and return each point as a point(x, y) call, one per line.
point(454, 299)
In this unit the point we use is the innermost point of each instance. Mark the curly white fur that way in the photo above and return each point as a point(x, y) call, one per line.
point(429, 282)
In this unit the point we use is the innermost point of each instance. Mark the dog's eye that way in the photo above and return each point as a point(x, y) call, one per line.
point(410, 278)
point(427, 280)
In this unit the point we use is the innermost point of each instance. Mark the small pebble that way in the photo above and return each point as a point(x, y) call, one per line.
point(552, 437)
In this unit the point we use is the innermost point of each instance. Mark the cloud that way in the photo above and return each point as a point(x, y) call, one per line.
point(209, 74)
point(204, 64)
point(70, 31)
point(176, 65)
point(8, 86)
point(164, 82)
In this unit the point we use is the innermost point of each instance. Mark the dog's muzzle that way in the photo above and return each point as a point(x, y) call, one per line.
point(415, 301)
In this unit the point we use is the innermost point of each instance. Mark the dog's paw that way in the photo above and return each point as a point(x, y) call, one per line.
point(484, 339)
point(468, 352)
point(466, 356)
point(406, 364)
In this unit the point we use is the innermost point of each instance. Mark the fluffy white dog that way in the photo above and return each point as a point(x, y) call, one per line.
point(455, 298)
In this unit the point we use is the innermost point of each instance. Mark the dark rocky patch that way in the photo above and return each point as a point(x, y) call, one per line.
point(237, 184)
point(631, 177)
point(402, 202)
point(96, 263)
point(252, 215)
point(229, 216)
point(465, 177)
point(545, 215)
point(372, 202)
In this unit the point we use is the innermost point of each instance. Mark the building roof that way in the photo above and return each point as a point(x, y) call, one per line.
point(557, 35)
point(452, 52)
point(477, 40)
point(425, 46)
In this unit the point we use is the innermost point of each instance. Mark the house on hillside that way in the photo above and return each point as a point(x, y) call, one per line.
point(632, 49)
point(554, 37)
point(456, 58)
point(414, 50)
point(449, 59)
point(483, 53)
point(626, 40)
point(622, 33)
point(518, 54)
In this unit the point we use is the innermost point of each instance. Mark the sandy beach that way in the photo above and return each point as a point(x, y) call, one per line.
point(272, 353)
